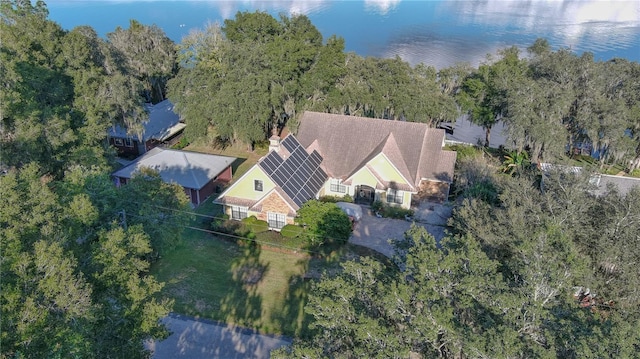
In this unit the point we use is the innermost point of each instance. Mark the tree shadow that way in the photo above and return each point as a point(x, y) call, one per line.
point(242, 304)
point(291, 318)
point(220, 143)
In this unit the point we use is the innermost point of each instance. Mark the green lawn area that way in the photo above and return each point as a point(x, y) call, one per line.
point(240, 284)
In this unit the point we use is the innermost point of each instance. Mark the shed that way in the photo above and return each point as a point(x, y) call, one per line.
point(200, 174)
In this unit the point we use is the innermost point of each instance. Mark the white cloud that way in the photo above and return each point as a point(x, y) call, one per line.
point(381, 6)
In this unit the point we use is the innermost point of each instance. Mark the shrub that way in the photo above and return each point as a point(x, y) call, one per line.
point(256, 225)
point(324, 222)
point(218, 222)
point(184, 142)
point(464, 151)
point(377, 206)
point(334, 199)
point(291, 231)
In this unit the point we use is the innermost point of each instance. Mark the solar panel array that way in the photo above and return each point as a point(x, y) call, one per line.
point(299, 175)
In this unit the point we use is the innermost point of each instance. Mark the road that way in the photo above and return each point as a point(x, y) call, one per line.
point(198, 338)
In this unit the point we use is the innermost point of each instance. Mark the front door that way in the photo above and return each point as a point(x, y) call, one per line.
point(365, 195)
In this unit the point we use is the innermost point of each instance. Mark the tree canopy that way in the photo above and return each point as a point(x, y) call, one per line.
point(75, 249)
point(252, 76)
point(528, 276)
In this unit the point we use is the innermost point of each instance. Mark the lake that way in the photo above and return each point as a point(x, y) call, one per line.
point(438, 32)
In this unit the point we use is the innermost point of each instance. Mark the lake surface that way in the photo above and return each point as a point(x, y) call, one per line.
point(437, 32)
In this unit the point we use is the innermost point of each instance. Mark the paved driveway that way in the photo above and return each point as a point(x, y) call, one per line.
point(192, 338)
point(373, 232)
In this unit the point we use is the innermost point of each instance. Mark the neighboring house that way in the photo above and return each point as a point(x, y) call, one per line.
point(163, 127)
point(199, 174)
point(368, 159)
point(600, 181)
point(623, 184)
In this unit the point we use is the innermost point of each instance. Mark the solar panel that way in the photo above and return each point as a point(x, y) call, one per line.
point(299, 175)
point(290, 143)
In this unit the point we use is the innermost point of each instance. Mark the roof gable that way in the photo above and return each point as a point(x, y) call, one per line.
point(298, 173)
point(188, 169)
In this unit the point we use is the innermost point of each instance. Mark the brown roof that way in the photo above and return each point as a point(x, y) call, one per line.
point(348, 142)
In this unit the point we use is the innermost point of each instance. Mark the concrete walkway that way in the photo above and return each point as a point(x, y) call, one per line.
point(198, 338)
point(373, 232)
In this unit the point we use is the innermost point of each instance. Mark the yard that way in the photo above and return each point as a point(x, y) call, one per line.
point(237, 284)
point(242, 283)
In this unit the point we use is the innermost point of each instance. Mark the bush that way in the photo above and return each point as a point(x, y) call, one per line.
point(464, 151)
point(184, 142)
point(388, 211)
point(324, 222)
point(334, 199)
point(377, 206)
point(218, 223)
point(291, 231)
point(256, 225)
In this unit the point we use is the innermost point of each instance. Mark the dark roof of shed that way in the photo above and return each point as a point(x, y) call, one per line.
point(348, 142)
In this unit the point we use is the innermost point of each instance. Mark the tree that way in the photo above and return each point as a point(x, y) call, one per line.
point(72, 284)
point(483, 93)
point(62, 90)
point(149, 54)
point(324, 221)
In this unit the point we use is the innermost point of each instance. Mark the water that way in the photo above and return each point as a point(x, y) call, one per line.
point(438, 32)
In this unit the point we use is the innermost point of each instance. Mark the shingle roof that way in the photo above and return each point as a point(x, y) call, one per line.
point(347, 142)
point(188, 169)
point(162, 120)
point(295, 170)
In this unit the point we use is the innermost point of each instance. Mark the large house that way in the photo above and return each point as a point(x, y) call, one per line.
point(368, 159)
point(163, 127)
point(199, 174)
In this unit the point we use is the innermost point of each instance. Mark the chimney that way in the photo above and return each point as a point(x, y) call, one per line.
point(274, 143)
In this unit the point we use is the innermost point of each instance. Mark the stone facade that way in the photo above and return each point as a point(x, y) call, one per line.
point(274, 203)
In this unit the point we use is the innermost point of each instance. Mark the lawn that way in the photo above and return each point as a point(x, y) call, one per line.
point(239, 284)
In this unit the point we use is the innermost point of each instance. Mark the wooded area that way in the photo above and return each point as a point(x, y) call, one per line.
point(76, 250)
point(524, 273)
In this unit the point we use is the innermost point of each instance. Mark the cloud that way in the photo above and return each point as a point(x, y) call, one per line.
point(381, 6)
point(228, 9)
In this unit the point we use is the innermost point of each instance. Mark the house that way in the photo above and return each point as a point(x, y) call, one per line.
point(622, 184)
point(600, 182)
point(199, 174)
point(368, 159)
point(163, 127)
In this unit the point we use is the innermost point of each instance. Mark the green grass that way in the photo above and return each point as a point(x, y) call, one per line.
point(238, 284)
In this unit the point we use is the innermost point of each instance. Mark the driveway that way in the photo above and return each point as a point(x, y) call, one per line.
point(373, 232)
point(197, 338)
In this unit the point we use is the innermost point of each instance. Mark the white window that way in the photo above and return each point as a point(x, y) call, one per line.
point(238, 212)
point(118, 142)
point(257, 185)
point(336, 186)
point(394, 196)
point(128, 142)
point(276, 220)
